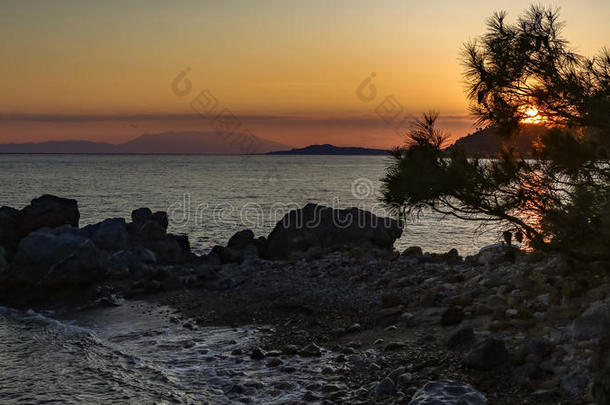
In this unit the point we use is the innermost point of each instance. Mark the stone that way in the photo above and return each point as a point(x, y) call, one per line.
point(274, 362)
point(390, 300)
point(227, 255)
point(488, 355)
point(258, 353)
point(575, 383)
point(241, 239)
point(168, 250)
point(319, 226)
point(311, 350)
point(405, 379)
point(447, 392)
point(47, 258)
point(160, 217)
point(461, 336)
point(3, 261)
point(392, 346)
point(47, 211)
point(413, 251)
point(452, 316)
point(290, 350)
point(385, 388)
point(146, 256)
point(591, 323)
point(9, 234)
point(110, 234)
point(600, 368)
point(141, 215)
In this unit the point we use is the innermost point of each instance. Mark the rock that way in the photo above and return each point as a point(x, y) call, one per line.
point(311, 350)
point(258, 353)
point(462, 336)
point(385, 388)
point(241, 239)
point(390, 300)
point(319, 226)
point(109, 301)
point(591, 323)
point(405, 379)
point(141, 215)
point(413, 251)
point(447, 392)
point(600, 368)
point(168, 250)
point(274, 362)
point(122, 260)
point(45, 258)
point(487, 355)
point(227, 255)
point(160, 217)
point(290, 350)
point(310, 397)
point(493, 254)
point(146, 256)
point(452, 316)
point(47, 211)
point(3, 261)
point(151, 286)
point(110, 234)
point(354, 328)
point(392, 346)
point(9, 233)
point(575, 383)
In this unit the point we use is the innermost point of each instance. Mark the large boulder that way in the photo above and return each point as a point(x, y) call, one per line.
point(149, 230)
point(9, 232)
point(48, 211)
point(147, 227)
point(591, 323)
point(110, 234)
point(317, 226)
point(60, 259)
point(488, 355)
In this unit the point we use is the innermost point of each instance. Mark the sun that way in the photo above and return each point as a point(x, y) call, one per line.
point(531, 115)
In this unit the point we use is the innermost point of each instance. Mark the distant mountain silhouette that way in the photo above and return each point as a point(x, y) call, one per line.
point(487, 142)
point(58, 147)
point(328, 149)
point(166, 142)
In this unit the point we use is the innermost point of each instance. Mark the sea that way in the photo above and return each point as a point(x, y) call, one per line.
point(130, 354)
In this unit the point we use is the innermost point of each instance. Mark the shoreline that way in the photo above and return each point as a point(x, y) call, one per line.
point(514, 326)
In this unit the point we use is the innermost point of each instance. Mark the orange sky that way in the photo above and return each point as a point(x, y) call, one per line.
point(103, 70)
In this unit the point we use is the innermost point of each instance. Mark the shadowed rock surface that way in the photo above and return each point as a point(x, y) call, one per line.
point(317, 226)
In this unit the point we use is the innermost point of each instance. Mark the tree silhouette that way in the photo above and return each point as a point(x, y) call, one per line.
point(518, 75)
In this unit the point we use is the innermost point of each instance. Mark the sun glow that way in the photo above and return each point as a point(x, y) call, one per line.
point(531, 115)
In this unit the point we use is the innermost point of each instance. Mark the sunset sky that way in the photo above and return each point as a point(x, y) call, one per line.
point(103, 70)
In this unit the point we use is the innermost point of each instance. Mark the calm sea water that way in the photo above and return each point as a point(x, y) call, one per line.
point(212, 197)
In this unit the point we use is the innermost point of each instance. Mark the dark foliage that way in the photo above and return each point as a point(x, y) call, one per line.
point(559, 200)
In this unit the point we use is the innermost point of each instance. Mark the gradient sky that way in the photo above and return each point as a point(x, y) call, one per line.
point(102, 70)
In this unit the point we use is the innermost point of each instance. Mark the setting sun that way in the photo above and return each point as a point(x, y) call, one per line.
point(531, 115)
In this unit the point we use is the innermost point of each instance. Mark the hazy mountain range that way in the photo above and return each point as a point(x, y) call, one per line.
point(328, 149)
point(484, 142)
point(166, 142)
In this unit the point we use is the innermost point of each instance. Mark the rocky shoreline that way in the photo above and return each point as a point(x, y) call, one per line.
point(500, 327)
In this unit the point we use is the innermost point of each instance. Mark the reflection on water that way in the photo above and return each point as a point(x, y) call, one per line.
point(222, 191)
